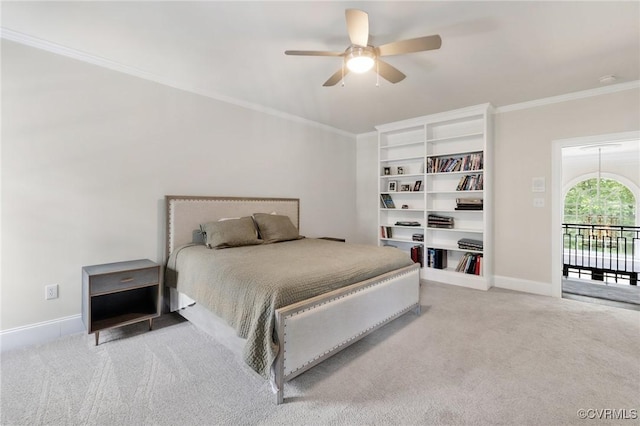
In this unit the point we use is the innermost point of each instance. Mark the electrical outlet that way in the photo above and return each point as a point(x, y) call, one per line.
point(51, 291)
point(538, 202)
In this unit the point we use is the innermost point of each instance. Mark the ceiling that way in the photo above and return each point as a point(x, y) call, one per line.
point(498, 52)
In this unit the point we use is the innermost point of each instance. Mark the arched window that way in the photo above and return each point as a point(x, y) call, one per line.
point(600, 201)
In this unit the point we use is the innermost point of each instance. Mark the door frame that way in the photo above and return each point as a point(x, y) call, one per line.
point(557, 195)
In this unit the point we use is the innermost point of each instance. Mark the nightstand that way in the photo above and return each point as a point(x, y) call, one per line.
point(121, 293)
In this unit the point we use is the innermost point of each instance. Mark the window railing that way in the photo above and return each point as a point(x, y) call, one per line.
point(602, 249)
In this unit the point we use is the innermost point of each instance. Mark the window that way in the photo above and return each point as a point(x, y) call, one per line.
point(607, 202)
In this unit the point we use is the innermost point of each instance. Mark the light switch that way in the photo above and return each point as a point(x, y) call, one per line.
point(537, 184)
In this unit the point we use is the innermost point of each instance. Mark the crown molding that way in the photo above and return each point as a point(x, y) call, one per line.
point(48, 46)
point(59, 49)
point(569, 97)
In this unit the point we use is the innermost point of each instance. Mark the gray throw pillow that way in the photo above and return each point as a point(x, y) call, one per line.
point(274, 228)
point(231, 233)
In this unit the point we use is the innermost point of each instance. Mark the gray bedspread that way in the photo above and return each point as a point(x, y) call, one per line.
point(245, 285)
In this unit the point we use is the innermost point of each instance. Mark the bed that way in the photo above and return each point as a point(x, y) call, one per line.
point(286, 306)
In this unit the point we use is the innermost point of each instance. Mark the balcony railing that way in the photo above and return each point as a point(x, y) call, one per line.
point(602, 250)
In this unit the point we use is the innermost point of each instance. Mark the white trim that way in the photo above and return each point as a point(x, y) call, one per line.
point(137, 72)
point(569, 97)
point(417, 122)
point(526, 286)
point(368, 134)
point(48, 46)
point(557, 195)
point(41, 332)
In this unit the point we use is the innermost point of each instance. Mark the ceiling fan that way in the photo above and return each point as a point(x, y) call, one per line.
point(360, 56)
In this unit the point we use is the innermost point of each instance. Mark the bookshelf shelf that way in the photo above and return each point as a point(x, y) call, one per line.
point(409, 175)
point(468, 191)
point(452, 211)
point(447, 142)
point(457, 230)
point(401, 240)
point(453, 248)
point(457, 137)
point(400, 145)
point(407, 159)
point(458, 172)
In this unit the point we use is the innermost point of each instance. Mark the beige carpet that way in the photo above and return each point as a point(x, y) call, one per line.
point(471, 357)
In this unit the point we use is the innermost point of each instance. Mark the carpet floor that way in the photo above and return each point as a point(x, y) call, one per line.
point(471, 357)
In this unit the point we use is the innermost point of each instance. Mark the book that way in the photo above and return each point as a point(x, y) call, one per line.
point(387, 201)
point(463, 163)
point(436, 258)
point(386, 232)
point(470, 263)
point(470, 183)
point(416, 255)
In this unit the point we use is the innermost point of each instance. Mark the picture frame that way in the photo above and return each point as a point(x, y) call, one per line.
point(417, 186)
point(386, 171)
point(405, 187)
point(392, 186)
point(400, 170)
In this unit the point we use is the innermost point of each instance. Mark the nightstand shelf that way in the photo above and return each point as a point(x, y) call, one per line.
point(117, 294)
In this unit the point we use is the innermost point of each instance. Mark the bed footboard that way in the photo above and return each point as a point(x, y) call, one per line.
point(345, 316)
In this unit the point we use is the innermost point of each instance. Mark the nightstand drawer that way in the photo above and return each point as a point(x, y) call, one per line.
point(123, 280)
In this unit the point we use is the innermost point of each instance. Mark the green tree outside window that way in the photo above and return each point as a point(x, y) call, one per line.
point(616, 204)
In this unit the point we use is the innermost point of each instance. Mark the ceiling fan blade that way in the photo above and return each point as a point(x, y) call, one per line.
point(389, 72)
point(336, 77)
point(312, 53)
point(412, 45)
point(358, 26)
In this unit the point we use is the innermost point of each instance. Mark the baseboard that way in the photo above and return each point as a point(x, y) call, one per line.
point(526, 286)
point(42, 332)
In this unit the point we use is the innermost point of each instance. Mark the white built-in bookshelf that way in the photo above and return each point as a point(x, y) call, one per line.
point(449, 154)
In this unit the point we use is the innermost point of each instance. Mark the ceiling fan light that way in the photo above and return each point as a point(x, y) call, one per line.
point(360, 64)
point(360, 59)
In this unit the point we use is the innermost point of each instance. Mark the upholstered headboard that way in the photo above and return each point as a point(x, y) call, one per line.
point(185, 213)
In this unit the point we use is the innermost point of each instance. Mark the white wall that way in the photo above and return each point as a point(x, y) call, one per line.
point(523, 146)
point(88, 155)
point(367, 203)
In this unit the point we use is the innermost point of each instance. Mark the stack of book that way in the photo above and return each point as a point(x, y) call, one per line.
point(416, 255)
point(436, 258)
point(417, 237)
point(435, 221)
point(469, 204)
point(469, 244)
point(470, 263)
point(387, 201)
point(470, 183)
